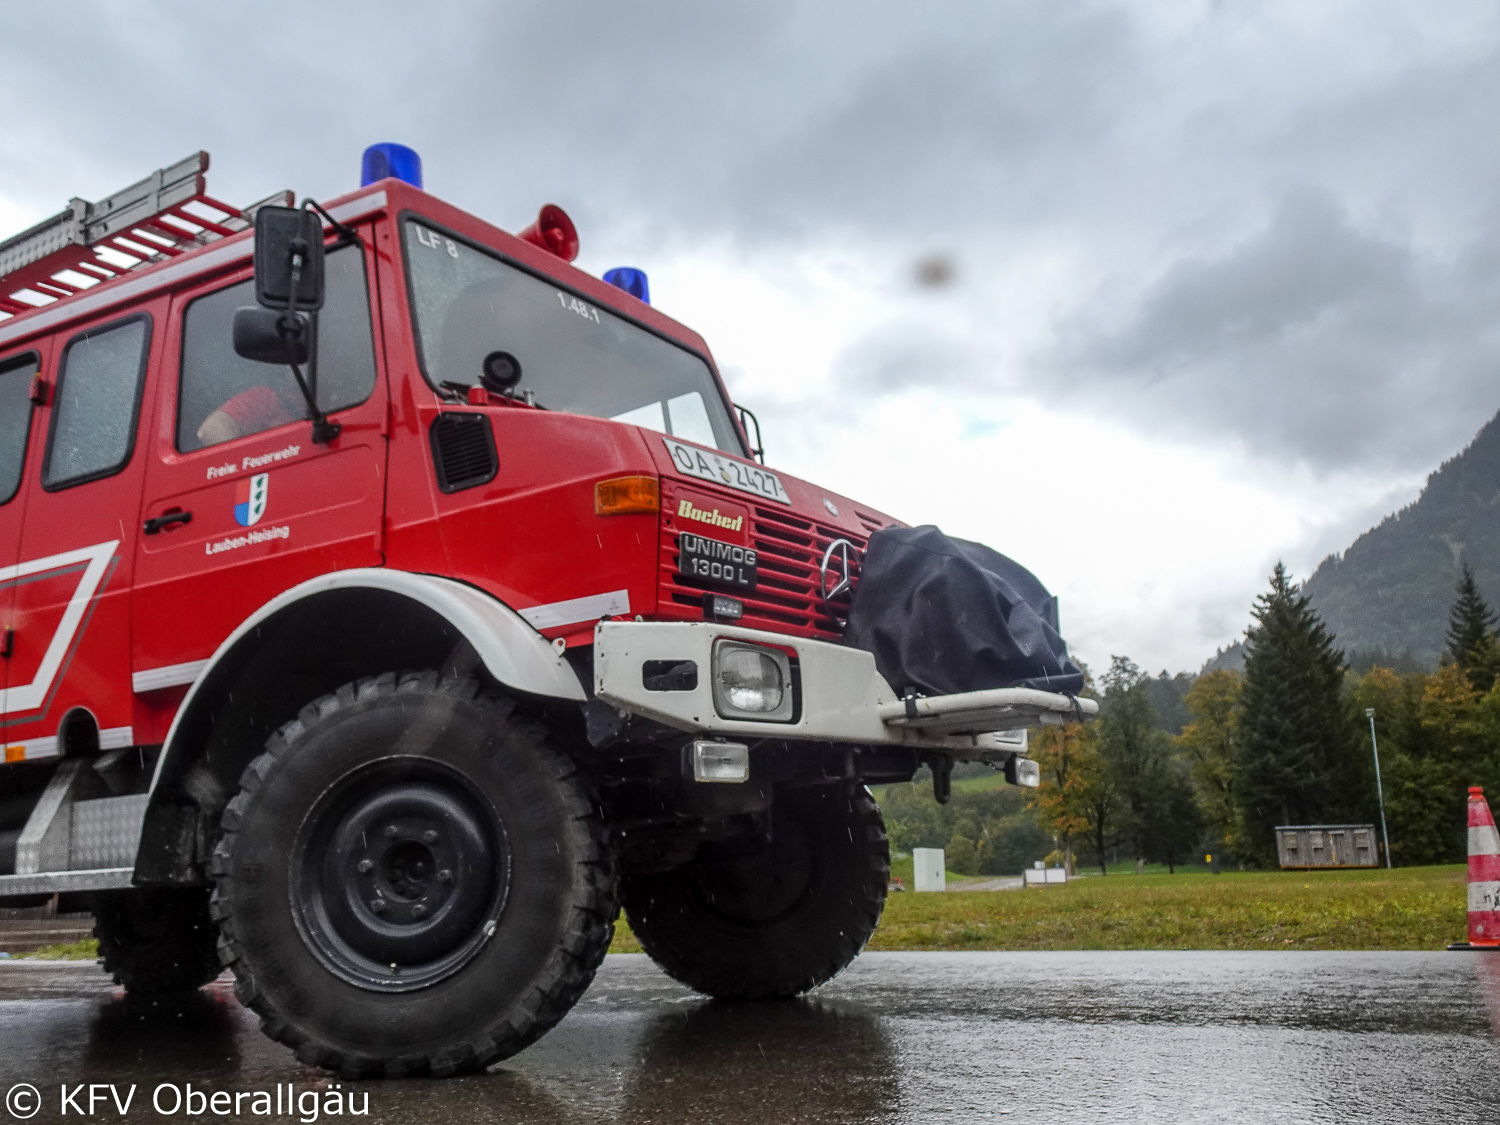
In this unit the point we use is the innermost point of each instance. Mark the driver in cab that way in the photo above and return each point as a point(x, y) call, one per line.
point(249, 412)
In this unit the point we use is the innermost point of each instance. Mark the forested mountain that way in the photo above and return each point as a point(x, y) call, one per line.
point(1393, 587)
point(1166, 694)
point(1387, 597)
point(1231, 659)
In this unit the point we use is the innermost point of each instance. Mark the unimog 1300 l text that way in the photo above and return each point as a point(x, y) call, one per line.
point(387, 603)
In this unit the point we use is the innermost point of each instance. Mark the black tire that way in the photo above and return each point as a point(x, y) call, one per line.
point(157, 942)
point(780, 920)
point(412, 792)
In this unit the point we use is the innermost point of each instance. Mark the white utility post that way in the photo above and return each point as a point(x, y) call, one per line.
point(927, 869)
point(1379, 792)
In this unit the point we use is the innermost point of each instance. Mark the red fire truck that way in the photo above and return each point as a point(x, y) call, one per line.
point(382, 647)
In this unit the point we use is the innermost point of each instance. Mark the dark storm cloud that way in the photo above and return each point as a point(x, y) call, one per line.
point(1312, 339)
point(1282, 220)
point(747, 119)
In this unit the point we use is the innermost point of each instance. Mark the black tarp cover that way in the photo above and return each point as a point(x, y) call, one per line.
point(945, 615)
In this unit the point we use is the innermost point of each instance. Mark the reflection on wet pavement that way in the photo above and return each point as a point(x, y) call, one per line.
point(1263, 1037)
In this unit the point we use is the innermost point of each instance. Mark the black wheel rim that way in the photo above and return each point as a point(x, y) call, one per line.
point(767, 887)
point(399, 874)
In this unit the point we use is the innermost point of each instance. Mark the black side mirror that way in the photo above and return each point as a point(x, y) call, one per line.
point(288, 258)
point(258, 336)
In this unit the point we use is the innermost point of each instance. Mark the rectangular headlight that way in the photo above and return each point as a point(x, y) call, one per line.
point(1023, 771)
point(752, 682)
point(724, 762)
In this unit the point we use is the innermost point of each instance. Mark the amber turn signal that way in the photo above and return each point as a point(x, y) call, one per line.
point(627, 494)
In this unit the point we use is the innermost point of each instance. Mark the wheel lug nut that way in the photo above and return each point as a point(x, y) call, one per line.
point(364, 866)
point(429, 835)
point(378, 906)
point(419, 911)
point(445, 876)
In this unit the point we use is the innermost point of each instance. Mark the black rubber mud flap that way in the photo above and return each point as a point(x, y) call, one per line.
point(157, 941)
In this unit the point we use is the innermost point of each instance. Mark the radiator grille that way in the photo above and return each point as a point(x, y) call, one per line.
point(463, 450)
point(786, 598)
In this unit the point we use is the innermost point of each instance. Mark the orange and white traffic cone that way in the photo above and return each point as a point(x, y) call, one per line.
point(1484, 876)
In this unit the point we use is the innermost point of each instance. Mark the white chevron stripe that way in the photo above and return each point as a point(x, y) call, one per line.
point(28, 697)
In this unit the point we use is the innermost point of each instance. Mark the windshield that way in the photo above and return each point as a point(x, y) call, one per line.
point(574, 356)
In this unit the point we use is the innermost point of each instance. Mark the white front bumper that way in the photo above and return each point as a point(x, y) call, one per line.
point(842, 697)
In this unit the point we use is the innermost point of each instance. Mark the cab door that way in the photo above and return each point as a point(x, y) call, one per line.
point(240, 503)
point(70, 649)
point(17, 372)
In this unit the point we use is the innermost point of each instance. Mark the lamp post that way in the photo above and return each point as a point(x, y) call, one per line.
point(1379, 792)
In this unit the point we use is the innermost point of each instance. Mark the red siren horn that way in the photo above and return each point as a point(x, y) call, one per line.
point(554, 232)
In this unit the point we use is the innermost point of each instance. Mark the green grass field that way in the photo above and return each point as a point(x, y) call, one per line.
point(991, 779)
point(1409, 908)
point(85, 950)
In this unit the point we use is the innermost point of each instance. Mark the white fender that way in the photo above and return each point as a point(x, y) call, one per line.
point(512, 651)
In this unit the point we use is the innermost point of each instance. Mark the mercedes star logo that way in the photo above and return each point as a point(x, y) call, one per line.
point(837, 565)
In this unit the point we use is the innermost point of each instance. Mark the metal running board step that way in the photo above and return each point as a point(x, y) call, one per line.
point(985, 712)
point(72, 845)
point(65, 882)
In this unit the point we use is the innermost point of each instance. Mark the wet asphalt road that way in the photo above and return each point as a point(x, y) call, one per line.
point(900, 1037)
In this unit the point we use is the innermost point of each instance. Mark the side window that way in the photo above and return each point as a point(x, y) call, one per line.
point(223, 396)
point(15, 420)
point(97, 403)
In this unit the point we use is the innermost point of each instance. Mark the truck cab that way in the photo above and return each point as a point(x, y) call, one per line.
point(384, 662)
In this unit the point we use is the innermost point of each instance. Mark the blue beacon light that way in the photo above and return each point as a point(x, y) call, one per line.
point(389, 159)
point(633, 281)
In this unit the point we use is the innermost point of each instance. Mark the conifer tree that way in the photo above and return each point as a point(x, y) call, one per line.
point(1470, 620)
point(1298, 763)
point(1471, 639)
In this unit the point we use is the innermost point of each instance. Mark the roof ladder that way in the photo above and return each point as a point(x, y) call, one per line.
point(162, 216)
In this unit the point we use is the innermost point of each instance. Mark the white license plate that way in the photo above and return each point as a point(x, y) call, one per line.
point(706, 465)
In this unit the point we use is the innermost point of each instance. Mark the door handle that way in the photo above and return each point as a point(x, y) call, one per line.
point(167, 519)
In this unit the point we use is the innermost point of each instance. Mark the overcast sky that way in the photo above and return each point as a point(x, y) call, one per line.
point(1222, 276)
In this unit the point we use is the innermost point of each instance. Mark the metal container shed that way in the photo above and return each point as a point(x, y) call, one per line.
point(1312, 846)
